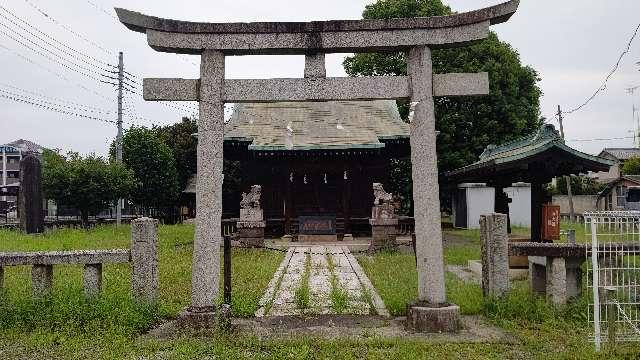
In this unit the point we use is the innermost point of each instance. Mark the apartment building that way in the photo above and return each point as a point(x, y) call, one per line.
point(10, 156)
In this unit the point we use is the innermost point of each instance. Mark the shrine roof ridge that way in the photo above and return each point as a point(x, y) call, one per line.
point(141, 23)
point(315, 147)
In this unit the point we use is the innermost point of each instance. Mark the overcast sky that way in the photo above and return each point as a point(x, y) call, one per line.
point(572, 44)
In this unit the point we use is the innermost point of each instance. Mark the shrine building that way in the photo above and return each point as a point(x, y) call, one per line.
point(315, 159)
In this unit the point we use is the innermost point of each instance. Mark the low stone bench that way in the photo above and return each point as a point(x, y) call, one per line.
point(143, 258)
point(555, 270)
point(42, 266)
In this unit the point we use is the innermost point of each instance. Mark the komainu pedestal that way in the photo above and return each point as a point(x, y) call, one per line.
point(251, 225)
point(383, 220)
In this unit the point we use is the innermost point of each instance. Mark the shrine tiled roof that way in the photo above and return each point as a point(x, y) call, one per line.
point(316, 125)
point(517, 152)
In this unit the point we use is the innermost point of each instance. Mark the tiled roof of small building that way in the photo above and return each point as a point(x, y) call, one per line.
point(316, 125)
point(546, 138)
point(621, 153)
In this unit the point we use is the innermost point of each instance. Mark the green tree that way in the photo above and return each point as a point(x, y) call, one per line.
point(580, 185)
point(631, 166)
point(466, 124)
point(154, 166)
point(184, 145)
point(89, 184)
point(179, 137)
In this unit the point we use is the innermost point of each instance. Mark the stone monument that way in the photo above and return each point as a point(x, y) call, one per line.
point(30, 195)
point(494, 246)
point(417, 37)
point(383, 220)
point(251, 225)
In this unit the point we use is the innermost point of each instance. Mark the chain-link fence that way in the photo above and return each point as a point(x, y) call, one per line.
point(613, 275)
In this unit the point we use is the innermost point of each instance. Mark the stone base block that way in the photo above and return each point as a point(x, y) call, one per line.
point(382, 237)
point(432, 318)
point(250, 242)
point(197, 318)
point(251, 236)
point(475, 266)
point(317, 238)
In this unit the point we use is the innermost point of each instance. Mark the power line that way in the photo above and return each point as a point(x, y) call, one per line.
point(52, 105)
point(32, 62)
point(54, 109)
point(56, 54)
point(48, 57)
point(67, 28)
point(49, 37)
point(40, 95)
point(602, 139)
point(615, 68)
point(101, 9)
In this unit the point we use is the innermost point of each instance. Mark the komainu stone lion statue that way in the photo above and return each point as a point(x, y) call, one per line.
point(252, 199)
point(381, 196)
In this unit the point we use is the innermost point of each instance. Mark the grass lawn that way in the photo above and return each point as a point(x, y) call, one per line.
point(542, 330)
point(65, 325)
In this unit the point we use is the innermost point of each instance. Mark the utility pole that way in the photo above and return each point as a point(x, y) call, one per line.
point(567, 178)
point(636, 125)
point(119, 137)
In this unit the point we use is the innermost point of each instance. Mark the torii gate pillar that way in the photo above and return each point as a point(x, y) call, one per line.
point(205, 276)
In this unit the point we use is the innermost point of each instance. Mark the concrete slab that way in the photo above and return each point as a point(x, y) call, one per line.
point(279, 299)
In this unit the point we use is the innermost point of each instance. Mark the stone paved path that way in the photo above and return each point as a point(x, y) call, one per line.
point(332, 269)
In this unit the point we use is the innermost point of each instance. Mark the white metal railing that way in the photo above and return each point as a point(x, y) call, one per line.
point(613, 275)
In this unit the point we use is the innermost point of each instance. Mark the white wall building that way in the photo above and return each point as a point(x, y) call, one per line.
point(520, 205)
point(474, 199)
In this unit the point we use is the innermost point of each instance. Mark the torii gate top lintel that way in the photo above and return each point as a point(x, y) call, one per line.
point(177, 36)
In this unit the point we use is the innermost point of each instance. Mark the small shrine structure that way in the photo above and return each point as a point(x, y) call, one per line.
point(534, 159)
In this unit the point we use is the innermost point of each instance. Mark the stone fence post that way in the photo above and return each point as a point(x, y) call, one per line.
point(495, 254)
point(144, 259)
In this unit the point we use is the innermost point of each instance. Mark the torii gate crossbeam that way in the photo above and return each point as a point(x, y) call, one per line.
point(415, 36)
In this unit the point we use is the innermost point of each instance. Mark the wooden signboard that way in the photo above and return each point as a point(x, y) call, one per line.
point(317, 225)
point(550, 222)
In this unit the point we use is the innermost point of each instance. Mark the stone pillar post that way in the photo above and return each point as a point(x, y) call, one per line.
point(431, 313)
point(314, 66)
point(92, 279)
point(426, 200)
point(556, 280)
point(144, 259)
point(538, 275)
point(41, 279)
point(495, 254)
point(30, 195)
point(208, 237)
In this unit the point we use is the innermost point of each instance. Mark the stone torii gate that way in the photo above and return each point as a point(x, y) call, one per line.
point(415, 36)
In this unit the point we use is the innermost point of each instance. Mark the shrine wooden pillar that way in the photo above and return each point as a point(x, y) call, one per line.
point(288, 200)
point(501, 204)
point(346, 198)
point(537, 198)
